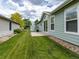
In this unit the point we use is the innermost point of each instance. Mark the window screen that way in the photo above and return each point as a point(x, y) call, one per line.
point(71, 20)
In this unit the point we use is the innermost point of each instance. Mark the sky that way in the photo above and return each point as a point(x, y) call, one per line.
point(28, 8)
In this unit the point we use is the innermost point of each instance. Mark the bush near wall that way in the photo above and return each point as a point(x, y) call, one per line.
point(17, 31)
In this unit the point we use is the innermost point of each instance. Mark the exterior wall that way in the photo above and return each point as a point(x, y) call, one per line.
point(42, 26)
point(33, 27)
point(59, 30)
point(36, 27)
point(14, 26)
point(4, 28)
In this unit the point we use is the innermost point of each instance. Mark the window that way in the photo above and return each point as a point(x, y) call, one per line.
point(52, 23)
point(71, 20)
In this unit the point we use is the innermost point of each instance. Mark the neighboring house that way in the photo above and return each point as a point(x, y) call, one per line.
point(63, 22)
point(7, 26)
point(32, 27)
point(37, 27)
point(42, 25)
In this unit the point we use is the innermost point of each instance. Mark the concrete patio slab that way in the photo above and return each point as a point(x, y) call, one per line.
point(38, 34)
point(5, 38)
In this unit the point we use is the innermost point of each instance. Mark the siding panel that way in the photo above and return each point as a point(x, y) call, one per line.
point(4, 28)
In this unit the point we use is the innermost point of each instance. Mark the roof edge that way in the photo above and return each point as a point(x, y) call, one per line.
point(61, 6)
point(7, 19)
point(44, 13)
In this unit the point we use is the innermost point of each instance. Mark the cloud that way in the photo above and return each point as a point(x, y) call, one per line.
point(19, 2)
point(28, 8)
point(36, 2)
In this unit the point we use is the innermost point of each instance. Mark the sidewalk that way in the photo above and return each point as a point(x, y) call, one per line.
point(38, 34)
point(5, 38)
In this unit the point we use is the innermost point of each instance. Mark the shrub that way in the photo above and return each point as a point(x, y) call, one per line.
point(17, 31)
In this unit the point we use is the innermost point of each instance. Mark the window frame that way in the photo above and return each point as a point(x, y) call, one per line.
point(52, 23)
point(71, 7)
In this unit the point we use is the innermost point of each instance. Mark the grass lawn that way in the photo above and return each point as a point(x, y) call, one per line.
point(23, 46)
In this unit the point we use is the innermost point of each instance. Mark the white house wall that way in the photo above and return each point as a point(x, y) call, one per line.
point(14, 26)
point(4, 28)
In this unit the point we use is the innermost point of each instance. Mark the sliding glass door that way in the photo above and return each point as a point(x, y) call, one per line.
point(45, 26)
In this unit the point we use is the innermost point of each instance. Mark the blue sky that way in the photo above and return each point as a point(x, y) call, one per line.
point(27, 8)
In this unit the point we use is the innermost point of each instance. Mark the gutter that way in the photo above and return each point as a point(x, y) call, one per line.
point(43, 14)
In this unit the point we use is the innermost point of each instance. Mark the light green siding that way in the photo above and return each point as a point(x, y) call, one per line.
point(59, 30)
point(59, 25)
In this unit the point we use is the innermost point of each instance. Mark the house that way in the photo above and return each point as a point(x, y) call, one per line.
point(7, 26)
point(41, 24)
point(33, 29)
point(63, 22)
point(36, 26)
point(15, 25)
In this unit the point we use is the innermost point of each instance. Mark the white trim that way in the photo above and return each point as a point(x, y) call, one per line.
point(78, 16)
point(64, 21)
point(75, 33)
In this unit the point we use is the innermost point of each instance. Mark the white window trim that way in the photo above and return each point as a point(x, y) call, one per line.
point(54, 23)
point(78, 16)
point(74, 33)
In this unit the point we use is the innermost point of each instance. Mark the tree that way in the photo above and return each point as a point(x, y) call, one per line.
point(16, 17)
point(27, 23)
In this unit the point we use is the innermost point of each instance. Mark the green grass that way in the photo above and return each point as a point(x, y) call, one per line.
point(23, 46)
